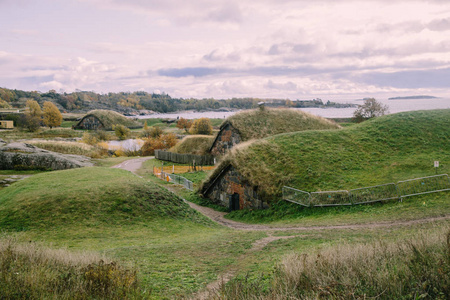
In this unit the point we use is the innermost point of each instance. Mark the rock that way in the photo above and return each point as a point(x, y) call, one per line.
point(22, 155)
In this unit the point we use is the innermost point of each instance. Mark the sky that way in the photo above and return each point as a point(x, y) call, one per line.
point(296, 49)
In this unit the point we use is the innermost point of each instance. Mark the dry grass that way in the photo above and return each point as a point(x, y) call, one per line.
point(257, 124)
point(67, 147)
point(408, 269)
point(31, 271)
point(194, 144)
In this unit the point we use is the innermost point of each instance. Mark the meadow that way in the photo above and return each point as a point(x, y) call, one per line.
point(104, 233)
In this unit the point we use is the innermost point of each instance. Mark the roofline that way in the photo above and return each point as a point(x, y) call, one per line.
point(89, 115)
point(211, 182)
point(226, 122)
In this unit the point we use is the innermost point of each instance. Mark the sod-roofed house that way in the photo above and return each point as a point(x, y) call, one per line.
point(373, 153)
point(261, 123)
point(104, 120)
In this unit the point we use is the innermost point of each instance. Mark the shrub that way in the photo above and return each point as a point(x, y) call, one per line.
point(165, 141)
point(185, 124)
point(201, 126)
point(153, 132)
point(121, 131)
point(370, 109)
point(89, 138)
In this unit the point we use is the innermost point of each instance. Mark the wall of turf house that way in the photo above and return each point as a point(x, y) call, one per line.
point(227, 137)
point(230, 189)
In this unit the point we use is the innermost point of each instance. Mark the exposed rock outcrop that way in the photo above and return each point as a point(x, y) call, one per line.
point(18, 155)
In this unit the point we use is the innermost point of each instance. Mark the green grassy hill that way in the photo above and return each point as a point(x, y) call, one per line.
point(87, 197)
point(257, 124)
point(386, 149)
point(193, 144)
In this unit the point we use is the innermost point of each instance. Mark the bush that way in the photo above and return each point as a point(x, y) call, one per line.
point(153, 132)
point(201, 126)
point(370, 109)
point(121, 131)
point(164, 141)
point(185, 124)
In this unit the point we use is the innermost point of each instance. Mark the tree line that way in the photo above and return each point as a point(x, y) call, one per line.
point(129, 102)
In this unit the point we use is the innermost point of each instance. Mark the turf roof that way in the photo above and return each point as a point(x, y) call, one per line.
point(382, 150)
point(109, 118)
point(256, 123)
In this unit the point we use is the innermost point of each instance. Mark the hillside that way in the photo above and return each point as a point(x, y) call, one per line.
point(193, 144)
point(256, 124)
point(87, 197)
point(389, 148)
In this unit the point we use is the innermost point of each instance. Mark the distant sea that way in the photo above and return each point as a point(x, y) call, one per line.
point(395, 106)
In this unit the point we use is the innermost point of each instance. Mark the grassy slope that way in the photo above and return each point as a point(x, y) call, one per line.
point(112, 211)
point(87, 197)
point(256, 124)
point(386, 149)
point(193, 144)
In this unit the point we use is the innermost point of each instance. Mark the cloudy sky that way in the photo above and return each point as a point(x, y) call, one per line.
point(293, 49)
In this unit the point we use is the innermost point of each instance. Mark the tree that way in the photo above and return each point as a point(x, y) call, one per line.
point(52, 115)
point(33, 108)
point(33, 115)
point(184, 124)
point(121, 131)
point(370, 109)
point(164, 141)
point(201, 126)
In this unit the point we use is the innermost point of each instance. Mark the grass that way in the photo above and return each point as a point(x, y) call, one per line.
point(44, 133)
point(386, 149)
point(257, 124)
point(77, 196)
point(110, 118)
point(407, 268)
point(284, 213)
point(67, 147)
point(193, 144)
point(32, 271)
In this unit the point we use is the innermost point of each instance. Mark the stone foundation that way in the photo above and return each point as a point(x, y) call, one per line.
point(232, 182)
point(225, 140)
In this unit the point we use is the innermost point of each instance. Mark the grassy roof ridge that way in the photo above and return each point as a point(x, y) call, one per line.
point(386, 149)
point(110, 118)
point(193, 144)
point(256, 123)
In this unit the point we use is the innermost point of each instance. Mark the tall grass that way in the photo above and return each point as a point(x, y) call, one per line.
point(67, 147)
point(408, 269)
point(31, 271)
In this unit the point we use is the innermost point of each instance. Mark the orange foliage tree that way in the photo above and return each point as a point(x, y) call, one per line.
point(164, 141)
point(184, 124)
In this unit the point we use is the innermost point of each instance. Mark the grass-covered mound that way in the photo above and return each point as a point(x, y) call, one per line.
point(257, 124)
point(109, 118)
point(386, 149)
point(193, 144)
point(87, 197)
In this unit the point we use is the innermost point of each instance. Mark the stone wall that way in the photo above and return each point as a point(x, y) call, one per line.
point(230, 182)
point(90, 123)
point(226, 139)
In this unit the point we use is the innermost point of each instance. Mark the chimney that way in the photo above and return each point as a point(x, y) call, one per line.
point(261, 105)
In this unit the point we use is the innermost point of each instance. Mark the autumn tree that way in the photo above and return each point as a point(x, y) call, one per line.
point(121, 131)
point(52, 115)
point(33, 115)
point(164, 141)
point(184, 124)
point(370, 109)
point(201, 126)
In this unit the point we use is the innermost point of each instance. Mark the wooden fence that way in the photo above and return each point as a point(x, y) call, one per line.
point(198, 160)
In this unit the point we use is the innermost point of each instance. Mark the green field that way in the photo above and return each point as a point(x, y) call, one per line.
point(102, 233)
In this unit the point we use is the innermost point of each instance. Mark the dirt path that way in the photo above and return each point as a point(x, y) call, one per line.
point(219, 217)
